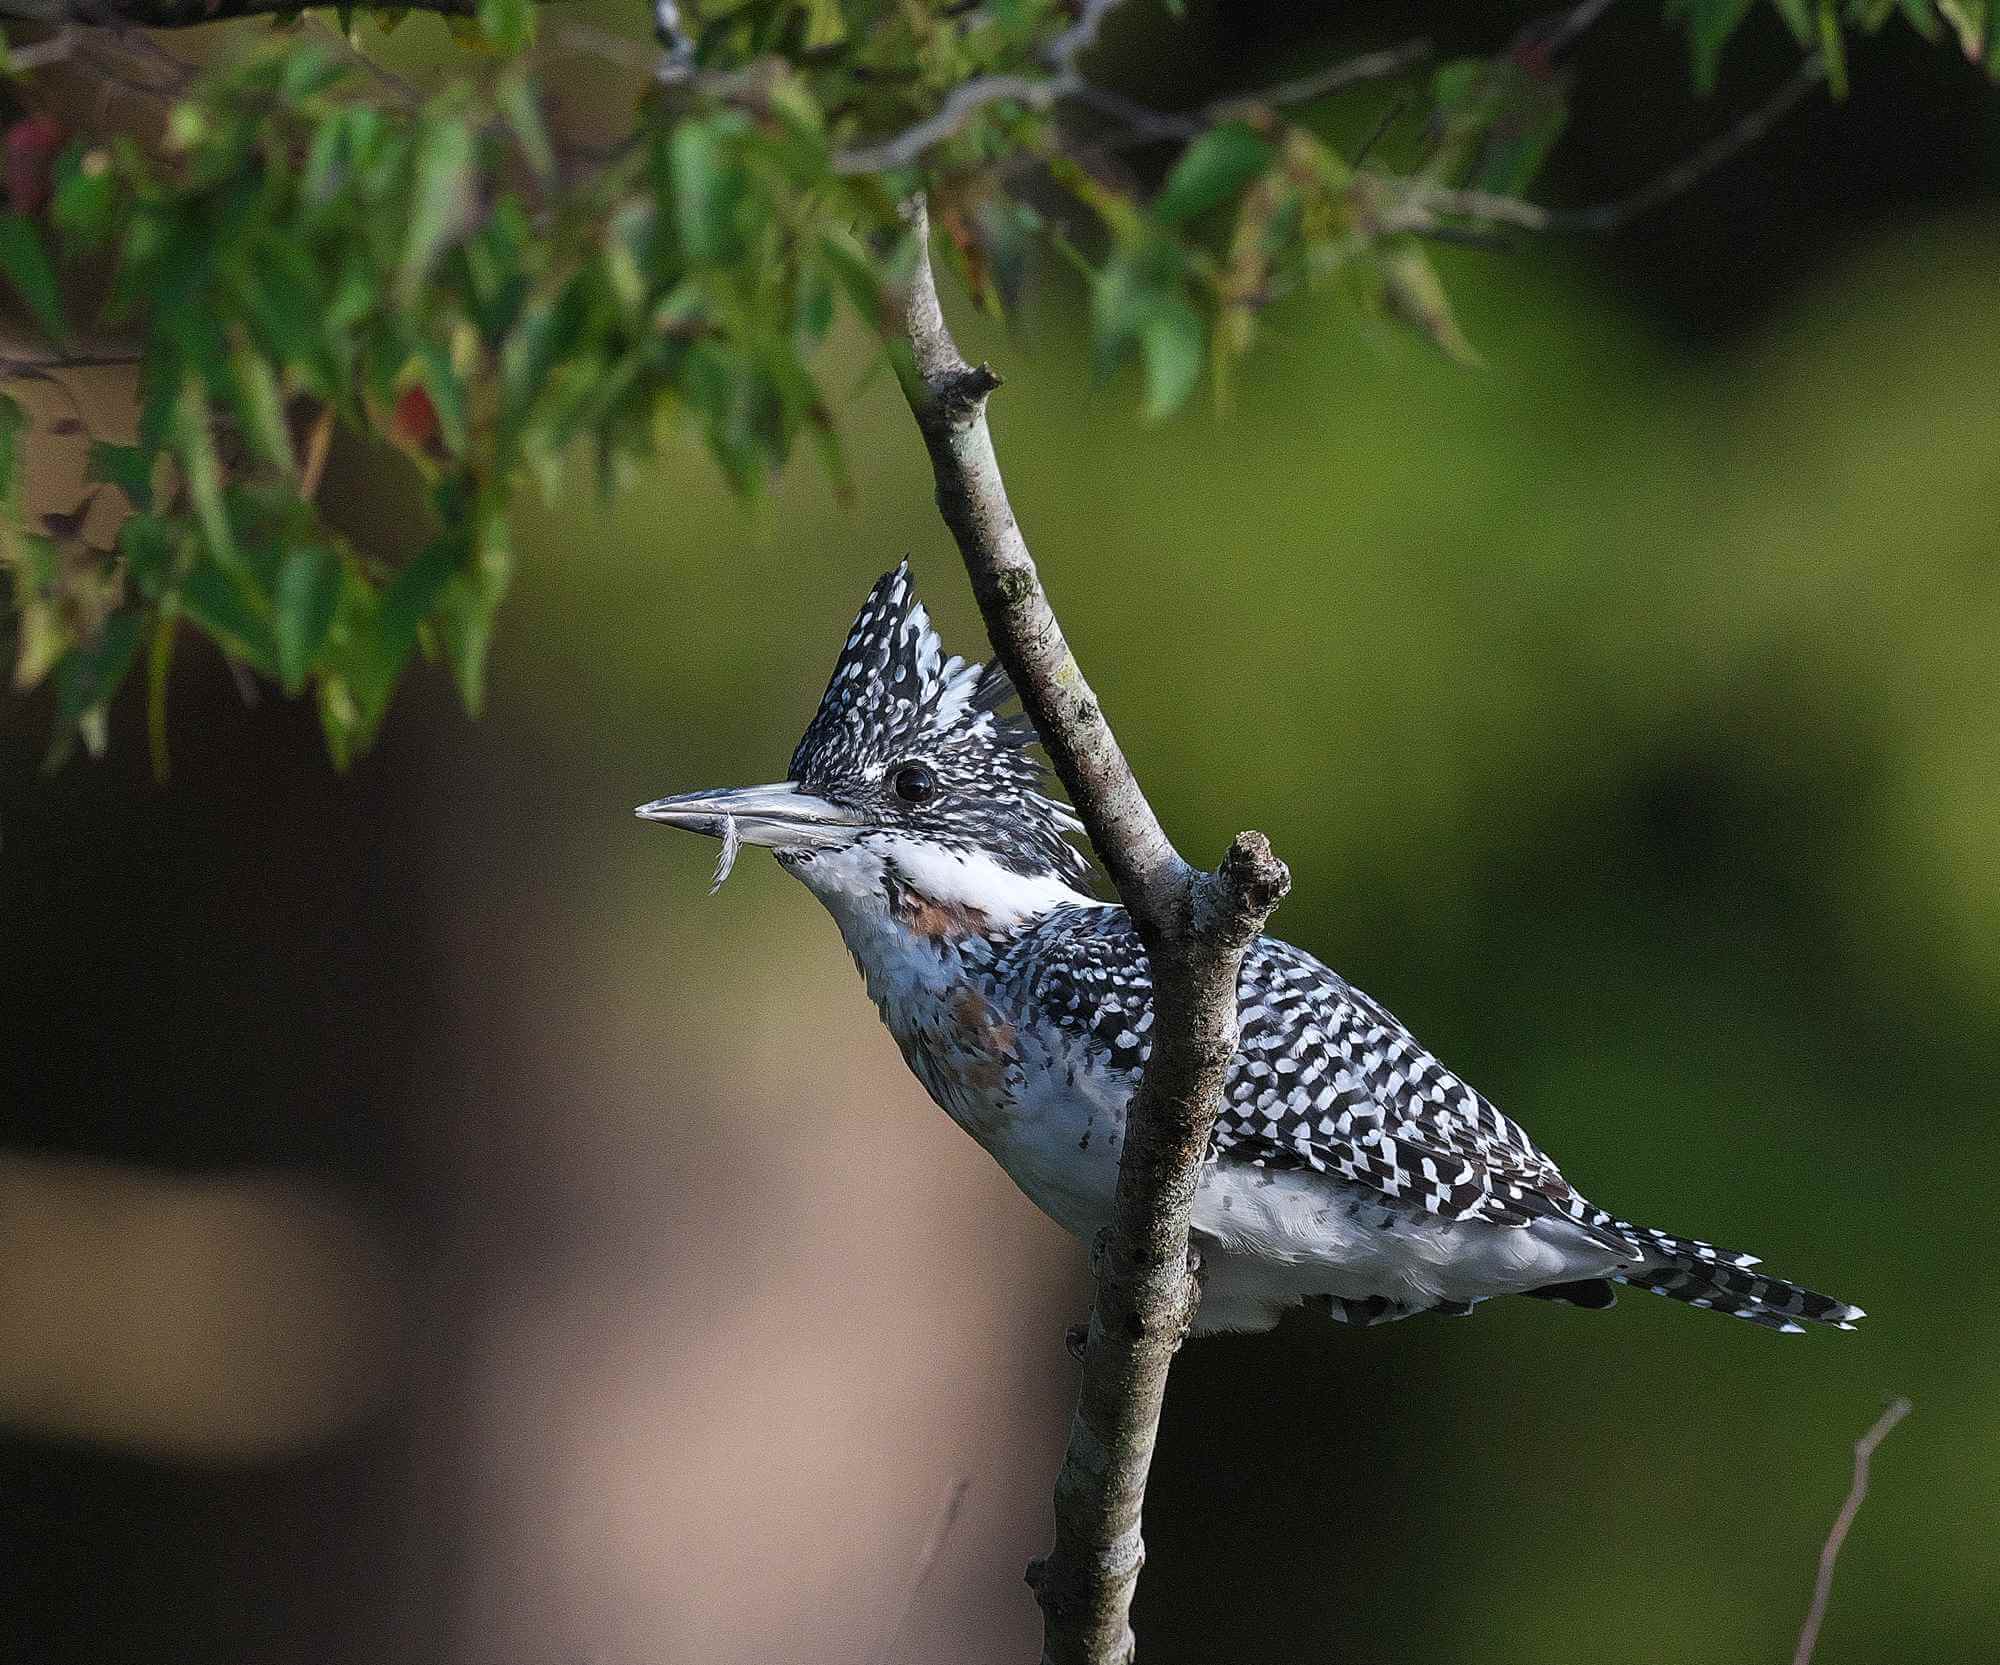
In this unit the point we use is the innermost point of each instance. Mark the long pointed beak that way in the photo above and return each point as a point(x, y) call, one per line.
point(783, 817)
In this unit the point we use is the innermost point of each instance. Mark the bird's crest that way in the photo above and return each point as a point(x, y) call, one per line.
point(895, 696)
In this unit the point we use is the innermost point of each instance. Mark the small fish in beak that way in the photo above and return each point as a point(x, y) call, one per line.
point(784, 817)
point(732, 841)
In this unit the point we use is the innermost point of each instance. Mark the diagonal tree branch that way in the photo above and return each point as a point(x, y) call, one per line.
point(1195, 926)
point(185, 14)
point(1857, 1494)
point(1425, 206)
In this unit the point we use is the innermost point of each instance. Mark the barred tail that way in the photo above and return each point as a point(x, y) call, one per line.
point(1702, 1275)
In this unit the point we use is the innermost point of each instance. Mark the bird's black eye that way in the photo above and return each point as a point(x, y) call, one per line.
point(914, 783)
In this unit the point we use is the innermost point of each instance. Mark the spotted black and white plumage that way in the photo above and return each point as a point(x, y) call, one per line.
point(1350, 1172)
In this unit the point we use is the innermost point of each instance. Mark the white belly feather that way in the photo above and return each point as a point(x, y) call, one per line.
point(1270, 1238)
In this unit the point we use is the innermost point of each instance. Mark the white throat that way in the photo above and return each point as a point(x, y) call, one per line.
point(892, 895)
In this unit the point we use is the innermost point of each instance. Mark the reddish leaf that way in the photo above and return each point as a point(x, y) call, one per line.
point(414, 422)
point(31, 147)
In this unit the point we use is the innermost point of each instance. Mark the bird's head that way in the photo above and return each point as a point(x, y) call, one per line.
point(910, 787)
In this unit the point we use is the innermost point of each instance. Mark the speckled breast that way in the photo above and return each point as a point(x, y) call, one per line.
point(964, 1052)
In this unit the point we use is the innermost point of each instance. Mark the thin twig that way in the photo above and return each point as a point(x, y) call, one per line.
point(130, 37)
point(1397, 108)
point(43, 52)
point(921, 1569)
point(1857, 1493)
point(1369, 66)
point(319, 439)
point(1140, 123)
point(1425, 207)
point(1037, 92)
point(181, 14)
point(1573, 23)
point(950, 118)
point(1147, 124)
point(20, 364)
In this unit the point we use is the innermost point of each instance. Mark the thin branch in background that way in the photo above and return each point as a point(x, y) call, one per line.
point(1036, 92)
point(133, 40)
point(1425, 207)
point(180, 14)
point(1394, 113)
point(921, 1569)
point(43, 52)
point(1081, 35)
point(1141, 124)
point(950, 118)
point(1857, 1494)
point(103, 61)
point(1697, 166)
point(1369, 66)
point(37, 367)
point(1567, 26)
point(319, 440)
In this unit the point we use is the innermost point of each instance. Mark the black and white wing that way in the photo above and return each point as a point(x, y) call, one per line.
point(1324, 1078)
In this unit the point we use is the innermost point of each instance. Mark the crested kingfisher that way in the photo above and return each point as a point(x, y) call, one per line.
point(1350, 1171)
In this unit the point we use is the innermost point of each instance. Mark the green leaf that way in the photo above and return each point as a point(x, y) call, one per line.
point(159, 662)
point(1968, 21)
point(1172, 345)
point(214, 601)
point(515, 96)
point(194, 444)
point(707, 185)
point(1412, 292)
point(260, 405)
point(284, 295)
point(127, 467)
point(1917, 13)
point(508, 25)
point(1211, 171)
point(1710, 23)
point(442, 200)
point(306, 69)
point(1798, 16)
point(25, 264)
point(447, 395)
point(1528, 116)
point(307, 591)
point(151, 546)
point(85, 194)
point(1833, 49)
point(849, 263)
point(1135, 287)
point(13, 427)
point(825, 26)
point(469, 603)
point(91, 671)
point(392, 636)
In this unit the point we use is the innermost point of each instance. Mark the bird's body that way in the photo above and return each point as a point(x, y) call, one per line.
point(1349, 1171)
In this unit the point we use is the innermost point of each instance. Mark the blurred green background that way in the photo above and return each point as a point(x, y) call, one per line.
point(433, 1230)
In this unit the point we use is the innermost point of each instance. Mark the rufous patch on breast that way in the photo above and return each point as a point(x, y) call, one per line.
point(986, 1040)
point(939, 921)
